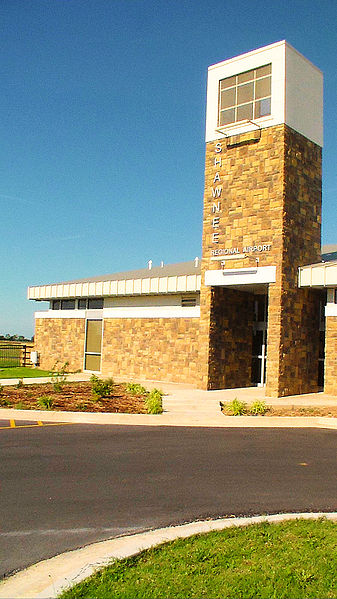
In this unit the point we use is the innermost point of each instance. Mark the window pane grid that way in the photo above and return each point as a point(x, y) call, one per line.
point(245, 96)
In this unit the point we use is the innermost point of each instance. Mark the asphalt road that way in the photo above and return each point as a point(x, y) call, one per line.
point(68, 485)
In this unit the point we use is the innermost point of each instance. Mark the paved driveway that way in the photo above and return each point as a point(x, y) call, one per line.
point(69, 485)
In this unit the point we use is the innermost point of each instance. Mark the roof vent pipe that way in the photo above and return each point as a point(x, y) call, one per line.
point(196, 261)
point(149, 264)
point(162, 264)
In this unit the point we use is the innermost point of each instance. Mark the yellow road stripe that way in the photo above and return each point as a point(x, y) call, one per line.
point(36, 425)
point(12, 423)
point(39, 423)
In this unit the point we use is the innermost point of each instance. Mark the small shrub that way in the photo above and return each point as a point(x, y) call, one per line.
point(235, 408)
point(1, 389)
point(154, 402)
point(135, 389)
point(20, 406)
point(83, 406)
point(258, 408)
point(20, 384)
point(101, 388)
point(305, 410)
point(4, 402)
point(57, 387)
point(59, 376)
point(45, 401)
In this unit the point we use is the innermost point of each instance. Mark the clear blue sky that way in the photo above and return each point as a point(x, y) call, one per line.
point(102, 129)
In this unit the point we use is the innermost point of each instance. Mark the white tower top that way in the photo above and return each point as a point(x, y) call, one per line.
point(263, 88)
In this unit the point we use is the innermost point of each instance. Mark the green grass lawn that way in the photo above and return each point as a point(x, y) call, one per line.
point(22, 373)
point(292, 560)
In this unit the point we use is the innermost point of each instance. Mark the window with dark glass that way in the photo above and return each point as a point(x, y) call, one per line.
point(95, 303)
point(68, 304)
point(56, 304)
point(188, 302)
point(82, 304)
point(246, 96)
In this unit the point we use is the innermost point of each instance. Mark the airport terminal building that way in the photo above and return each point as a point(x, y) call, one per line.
point(260, 306)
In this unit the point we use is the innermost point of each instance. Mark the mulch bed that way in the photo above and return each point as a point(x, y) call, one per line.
point(303, 411)
point(326, 411)
point(73, 397)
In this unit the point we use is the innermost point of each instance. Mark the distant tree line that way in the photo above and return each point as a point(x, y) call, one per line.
point(9, 337)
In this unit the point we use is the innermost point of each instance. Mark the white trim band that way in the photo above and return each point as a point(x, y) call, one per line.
point(152, 312)
point(331, 310)
point(241, 276)
point(318, 275)
point(125, 312)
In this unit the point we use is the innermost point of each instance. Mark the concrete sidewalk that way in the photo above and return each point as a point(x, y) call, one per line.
point(184, 405)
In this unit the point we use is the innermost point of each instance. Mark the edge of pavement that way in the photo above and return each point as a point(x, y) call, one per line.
point(182, 418)
point(46, 579)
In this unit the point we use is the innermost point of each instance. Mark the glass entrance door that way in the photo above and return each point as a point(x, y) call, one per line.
point(259, 346)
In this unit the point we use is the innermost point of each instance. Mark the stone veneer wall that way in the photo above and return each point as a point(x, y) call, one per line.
point(330, 367)
point(293, 360)
point(60, 339)
point(271, 194)
point(164, 349)
point(231, 335)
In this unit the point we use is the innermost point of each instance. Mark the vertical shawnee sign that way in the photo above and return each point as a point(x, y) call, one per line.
point(262, 214)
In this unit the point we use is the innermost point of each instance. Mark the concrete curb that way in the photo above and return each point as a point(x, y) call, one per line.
point(48, 578)
point(328, 422)
point(171, 419)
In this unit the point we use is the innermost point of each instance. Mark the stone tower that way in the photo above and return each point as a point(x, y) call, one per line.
point(262, 220)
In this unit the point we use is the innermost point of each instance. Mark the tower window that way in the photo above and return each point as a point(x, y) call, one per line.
point(245, 96)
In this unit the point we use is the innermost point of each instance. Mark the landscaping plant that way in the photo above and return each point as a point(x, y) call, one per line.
point(20, 406)
point(4, 403)
point(258, 408)
point(101, 388)
point(240, 408)
point(136, 389)
point(235, 408)
point(45, 401)
point(59, 375)
point(153, 402)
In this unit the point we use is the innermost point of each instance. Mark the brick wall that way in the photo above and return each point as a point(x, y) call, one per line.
point(60, 339)
point(164, 349)
point(330, 371)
